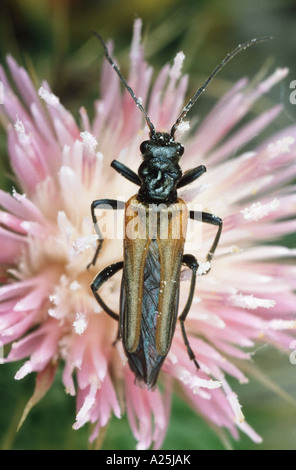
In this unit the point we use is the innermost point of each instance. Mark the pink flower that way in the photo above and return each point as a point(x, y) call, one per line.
point(47, 311)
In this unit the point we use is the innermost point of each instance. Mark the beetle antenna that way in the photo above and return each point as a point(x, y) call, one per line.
point(195, 97)
point(131, 92)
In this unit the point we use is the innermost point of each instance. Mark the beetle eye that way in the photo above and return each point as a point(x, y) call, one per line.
point(143, 146)
point(180, 150)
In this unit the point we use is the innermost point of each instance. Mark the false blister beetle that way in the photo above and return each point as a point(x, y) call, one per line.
point(153, 255)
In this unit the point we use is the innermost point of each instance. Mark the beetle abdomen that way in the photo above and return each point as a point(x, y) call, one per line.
point(146, 362)
point(150, 286)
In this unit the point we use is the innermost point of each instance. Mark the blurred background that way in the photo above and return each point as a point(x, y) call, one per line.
point(53, 40)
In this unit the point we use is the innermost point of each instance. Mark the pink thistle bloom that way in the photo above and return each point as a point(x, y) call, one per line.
point(47, 311)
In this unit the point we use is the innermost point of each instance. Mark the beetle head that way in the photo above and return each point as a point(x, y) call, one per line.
point(161, 146)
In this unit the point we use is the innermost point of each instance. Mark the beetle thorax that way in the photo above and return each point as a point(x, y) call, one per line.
point(160, 172)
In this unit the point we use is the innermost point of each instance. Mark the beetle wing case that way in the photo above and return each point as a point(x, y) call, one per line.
point(153, 250)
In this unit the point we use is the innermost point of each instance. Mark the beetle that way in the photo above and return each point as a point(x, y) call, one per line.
point(153, 254)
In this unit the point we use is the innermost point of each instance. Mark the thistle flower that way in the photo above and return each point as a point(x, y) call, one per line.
point(47, 311)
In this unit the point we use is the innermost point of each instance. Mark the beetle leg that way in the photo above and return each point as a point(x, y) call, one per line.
point(99, 280)
point(108, 203)
point(126, 172)
point(209, 219)
point(191, 175)
point(192, 264)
